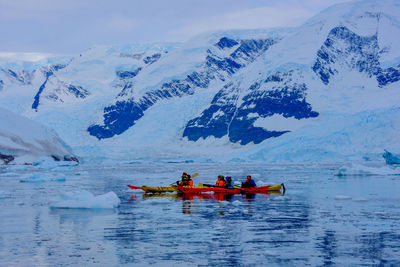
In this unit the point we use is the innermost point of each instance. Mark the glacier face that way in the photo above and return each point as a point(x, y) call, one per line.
point(23, 140)
point(269, 95)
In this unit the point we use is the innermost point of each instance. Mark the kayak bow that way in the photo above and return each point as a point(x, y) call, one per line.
point(154, 189)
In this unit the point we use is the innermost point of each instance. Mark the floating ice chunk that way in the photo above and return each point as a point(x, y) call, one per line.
point(270, 253)
point(361, 170)
point(10, 174)
point(360, 199)
point(236, 203)
point(391, 158)
point(43, 177)
point(17, 167)
point(46, 163)
point(86, 200)
point(342, 197)
point(4, 194)
point(63, 168)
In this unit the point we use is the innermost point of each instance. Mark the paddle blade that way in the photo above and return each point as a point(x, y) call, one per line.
point(194, 175)
point(134, 187)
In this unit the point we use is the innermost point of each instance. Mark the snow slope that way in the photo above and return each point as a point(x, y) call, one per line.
point(23, 140)
point(327, 90)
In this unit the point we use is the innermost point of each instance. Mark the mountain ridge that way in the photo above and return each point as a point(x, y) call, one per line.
point(235, 92)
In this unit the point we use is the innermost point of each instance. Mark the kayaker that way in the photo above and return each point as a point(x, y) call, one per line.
point(221, 181)
point(228, 182)
point(183, 180)
point(186, 180)
point(249, 183)
point(189, 181)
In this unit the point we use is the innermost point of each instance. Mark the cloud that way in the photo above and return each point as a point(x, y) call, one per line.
point(120, 23)
point(261, 17)
point(37, 9)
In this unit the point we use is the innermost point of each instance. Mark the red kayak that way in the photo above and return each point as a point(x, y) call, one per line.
point(259, 189)
point(196, 190)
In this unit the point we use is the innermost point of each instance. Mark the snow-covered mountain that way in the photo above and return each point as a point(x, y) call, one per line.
point(327, 90)
point(23, 141)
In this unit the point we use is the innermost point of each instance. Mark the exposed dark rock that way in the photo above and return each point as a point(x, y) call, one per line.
point(124, 113)
point(6, 158)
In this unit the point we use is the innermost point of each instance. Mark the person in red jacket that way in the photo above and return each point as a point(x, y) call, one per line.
point(221, 181)
point(189, 181)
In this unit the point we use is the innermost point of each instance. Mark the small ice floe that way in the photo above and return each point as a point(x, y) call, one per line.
point(236, 203)
point(62, 168)
point(4, 194)
point(81, 173)
point(86, 200)
point(46, 163)
point(9, 174)
point(43, 177)
point(361, 170)
point(270, 253)
point(342, 197)
point(360, 199)
point(17, 167)
point(49, 164)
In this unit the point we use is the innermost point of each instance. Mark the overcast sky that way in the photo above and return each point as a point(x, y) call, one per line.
point(71, 26)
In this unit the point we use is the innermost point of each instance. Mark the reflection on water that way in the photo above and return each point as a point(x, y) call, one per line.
point(321, 220)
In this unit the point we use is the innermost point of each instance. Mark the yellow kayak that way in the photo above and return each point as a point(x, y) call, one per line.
point(159, 189)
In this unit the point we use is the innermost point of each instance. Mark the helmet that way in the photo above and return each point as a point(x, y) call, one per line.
point(220, 176)
point(248, 176)
point(228, 178)
point(184, 173)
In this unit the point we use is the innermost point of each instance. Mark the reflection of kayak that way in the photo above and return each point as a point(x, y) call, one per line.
point(179, 195)
point(155, 189)
point(198, 189)
point(236, 190)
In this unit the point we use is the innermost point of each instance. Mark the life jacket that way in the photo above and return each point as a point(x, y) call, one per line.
point(220, 183)
point(249, 184)
point(229, 184)
point(187, 183)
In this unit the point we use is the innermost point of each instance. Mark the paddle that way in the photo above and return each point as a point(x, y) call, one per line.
point(212, 185)
point(134, 187)
point(207, 185)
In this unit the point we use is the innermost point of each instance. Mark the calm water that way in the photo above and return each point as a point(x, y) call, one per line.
point(322, 219)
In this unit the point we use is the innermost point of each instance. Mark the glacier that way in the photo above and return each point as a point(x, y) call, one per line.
point(24, 141)
point(324, 91)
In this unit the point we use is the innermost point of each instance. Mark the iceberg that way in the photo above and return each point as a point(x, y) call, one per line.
point(362, 170)
point(86, 200)
point(40, 177)
point(23, 141)
point(390, 158)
